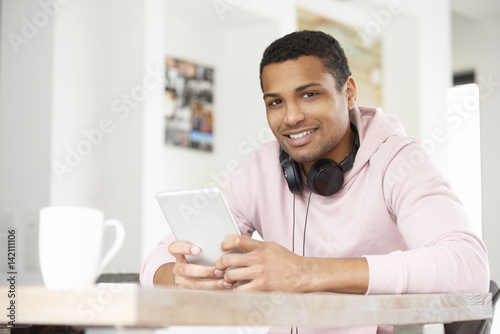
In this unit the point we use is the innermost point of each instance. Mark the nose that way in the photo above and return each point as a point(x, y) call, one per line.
point(293, 114)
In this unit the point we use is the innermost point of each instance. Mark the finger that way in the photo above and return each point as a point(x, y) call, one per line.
point(232, 260)
point(232, 275)
point(197, 271)
point(242, 242)
point(200, 283)
point(179, 248)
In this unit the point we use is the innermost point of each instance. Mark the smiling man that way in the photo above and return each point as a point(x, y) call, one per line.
point(344, 200)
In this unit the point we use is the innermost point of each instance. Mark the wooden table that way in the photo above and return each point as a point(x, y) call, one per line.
point(131, 306)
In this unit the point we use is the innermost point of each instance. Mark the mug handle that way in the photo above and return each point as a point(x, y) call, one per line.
point(120, 237)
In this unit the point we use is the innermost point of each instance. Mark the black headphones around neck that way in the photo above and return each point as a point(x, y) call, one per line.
point(325, 177)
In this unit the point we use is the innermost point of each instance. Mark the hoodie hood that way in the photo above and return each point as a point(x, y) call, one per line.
point(374, 128)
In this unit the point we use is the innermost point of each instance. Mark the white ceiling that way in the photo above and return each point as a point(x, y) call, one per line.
point(471, 9)
point(477, 9)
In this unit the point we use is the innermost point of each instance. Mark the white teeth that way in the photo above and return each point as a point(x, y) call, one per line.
point(300, 135)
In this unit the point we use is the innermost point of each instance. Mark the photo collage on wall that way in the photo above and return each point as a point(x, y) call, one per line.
point(189, 104)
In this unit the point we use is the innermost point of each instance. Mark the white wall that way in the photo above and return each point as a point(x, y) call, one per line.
point(26, 66)
point(419, 52)
point(489, 85)
point(98, 92)
point(58, 93)
point(400, 92)
point(99, 85)
point(152, 220)
point(476, 47)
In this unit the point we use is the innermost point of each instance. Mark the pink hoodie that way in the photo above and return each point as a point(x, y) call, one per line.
point(395, 209)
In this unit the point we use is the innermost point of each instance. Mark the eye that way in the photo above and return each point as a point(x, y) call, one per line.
point(309, 94)
point(275, 102)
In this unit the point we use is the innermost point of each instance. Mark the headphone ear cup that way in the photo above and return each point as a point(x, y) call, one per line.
point(325, 177)
point(291, 170)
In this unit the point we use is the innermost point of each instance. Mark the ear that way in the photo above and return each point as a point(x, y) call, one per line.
point(351, 92)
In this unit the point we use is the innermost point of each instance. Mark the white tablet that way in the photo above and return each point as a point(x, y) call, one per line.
point(200, 217)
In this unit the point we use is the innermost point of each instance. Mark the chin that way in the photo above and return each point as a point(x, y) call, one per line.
point(303, 158)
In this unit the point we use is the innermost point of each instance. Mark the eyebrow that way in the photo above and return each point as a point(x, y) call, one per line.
point(298, 89)
point(312, 84)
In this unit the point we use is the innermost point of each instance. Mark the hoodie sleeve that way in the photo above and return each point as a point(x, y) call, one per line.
point(444, 254)
point(158, 257)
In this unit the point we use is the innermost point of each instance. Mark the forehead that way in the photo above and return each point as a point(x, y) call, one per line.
point(294, 73)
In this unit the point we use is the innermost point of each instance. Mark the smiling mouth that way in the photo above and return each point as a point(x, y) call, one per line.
point(302, 134)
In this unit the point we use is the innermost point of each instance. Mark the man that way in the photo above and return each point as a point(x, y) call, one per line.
point(344, 200)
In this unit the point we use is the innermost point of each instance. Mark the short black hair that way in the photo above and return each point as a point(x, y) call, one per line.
point(309, 43)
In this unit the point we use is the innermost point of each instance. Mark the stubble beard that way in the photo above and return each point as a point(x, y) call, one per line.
point(312, 155)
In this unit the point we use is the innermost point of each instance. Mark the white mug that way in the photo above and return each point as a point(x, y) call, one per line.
point(70, 244)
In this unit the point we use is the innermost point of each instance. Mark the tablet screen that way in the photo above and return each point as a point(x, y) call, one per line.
point(200, 217)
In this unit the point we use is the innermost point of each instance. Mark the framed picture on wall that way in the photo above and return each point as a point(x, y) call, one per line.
point(188, 104)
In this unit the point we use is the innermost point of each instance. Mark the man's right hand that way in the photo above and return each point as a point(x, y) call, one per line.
point(186, 275)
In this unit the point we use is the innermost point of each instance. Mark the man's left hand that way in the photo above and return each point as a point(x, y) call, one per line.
point(267, 266)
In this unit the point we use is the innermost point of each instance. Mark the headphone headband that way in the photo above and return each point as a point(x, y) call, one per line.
point(348, 161)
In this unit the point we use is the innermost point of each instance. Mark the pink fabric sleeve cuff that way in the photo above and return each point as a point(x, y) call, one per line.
point(385, 273)
point(148, 272)
point(158, 257)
